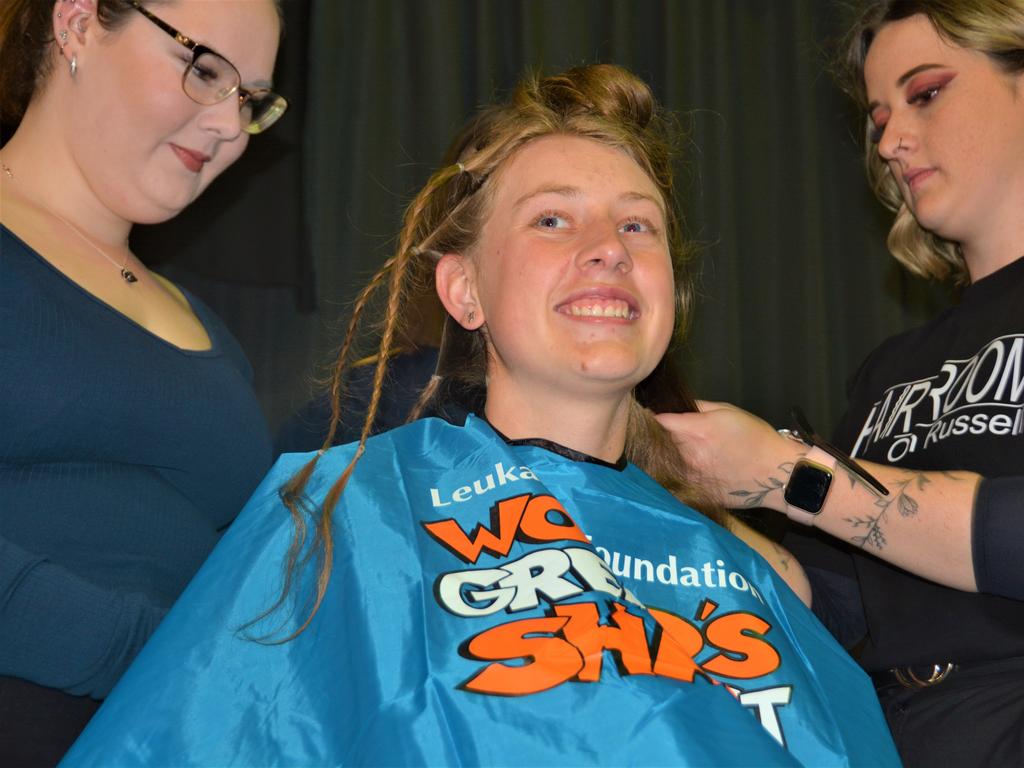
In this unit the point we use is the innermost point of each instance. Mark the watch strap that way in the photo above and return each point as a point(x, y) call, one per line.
point(805, 433)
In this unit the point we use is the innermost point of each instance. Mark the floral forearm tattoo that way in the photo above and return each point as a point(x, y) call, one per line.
point(868, 533)
point(870, 526)
point(756, 497)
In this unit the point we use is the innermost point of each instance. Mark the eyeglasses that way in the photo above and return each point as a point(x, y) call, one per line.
point(210, 78)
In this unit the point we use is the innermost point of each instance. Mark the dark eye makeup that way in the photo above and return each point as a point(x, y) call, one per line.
point(921, 92)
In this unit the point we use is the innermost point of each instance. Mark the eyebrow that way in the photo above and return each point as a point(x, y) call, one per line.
point(550, 189)
point(574, 192)
point(906, 76)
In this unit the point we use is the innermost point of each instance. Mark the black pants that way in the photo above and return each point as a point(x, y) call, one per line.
point(973, 718)
point(38, 725)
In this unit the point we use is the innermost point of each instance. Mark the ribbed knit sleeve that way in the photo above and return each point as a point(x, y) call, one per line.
point(47, 612)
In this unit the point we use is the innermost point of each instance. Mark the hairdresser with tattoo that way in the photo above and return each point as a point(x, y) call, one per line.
point(930, 583)
point(129, 431)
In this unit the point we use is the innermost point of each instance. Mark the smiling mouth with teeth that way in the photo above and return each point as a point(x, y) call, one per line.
point(602, 308)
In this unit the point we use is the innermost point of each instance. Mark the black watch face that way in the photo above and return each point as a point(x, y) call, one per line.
point(808, 486)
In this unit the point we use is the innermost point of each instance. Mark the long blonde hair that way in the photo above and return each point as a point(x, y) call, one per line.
point(993, 27)
point(602, 102)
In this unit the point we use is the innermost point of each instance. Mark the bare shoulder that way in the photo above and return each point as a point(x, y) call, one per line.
point(778, 557)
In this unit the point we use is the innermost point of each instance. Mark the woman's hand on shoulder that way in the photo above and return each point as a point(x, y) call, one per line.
point(737, 456)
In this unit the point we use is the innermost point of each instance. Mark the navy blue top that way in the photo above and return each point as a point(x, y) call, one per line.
point(122, 458)
point(947, 395)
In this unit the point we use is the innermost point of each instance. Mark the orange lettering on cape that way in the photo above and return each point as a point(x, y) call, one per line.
point(505, 517)
point(536, 526)
point(570, 645)
point(679, 644)
point(519, 517)
point(550, 660)
point(739, 634)
point(557, 649)
point(627, 638)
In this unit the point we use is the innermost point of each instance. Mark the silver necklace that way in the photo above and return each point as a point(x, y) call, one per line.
point(126, 274)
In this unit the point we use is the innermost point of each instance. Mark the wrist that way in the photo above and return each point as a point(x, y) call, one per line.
point(811, 479)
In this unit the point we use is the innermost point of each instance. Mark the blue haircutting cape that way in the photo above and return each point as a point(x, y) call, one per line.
point(491, 603)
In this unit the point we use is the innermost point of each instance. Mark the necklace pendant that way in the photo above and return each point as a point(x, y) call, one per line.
point(128, 275)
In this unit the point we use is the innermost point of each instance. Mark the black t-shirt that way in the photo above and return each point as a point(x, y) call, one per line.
point(948, 395)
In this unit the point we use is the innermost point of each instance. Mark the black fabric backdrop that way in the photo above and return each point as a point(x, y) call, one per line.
point(796, 285)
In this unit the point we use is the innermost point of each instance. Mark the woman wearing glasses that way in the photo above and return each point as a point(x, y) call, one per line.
point(129, 432)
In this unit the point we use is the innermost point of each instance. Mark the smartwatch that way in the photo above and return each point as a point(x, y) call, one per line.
point(812, 475)
point(808, 486)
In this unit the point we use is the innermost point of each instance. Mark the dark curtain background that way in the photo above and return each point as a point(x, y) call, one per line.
point(796, 285)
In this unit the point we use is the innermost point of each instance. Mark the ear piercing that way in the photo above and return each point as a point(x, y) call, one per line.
point(899, 144)
point(73, 64)
point(471, 317)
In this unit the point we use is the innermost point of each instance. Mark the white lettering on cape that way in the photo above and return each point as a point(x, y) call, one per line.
point(552, 575)
point(501, 475)
point(707, 575)
point(764, 703)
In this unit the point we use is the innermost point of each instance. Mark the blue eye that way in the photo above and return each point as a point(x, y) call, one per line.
point(639, 226)
point(551, 221)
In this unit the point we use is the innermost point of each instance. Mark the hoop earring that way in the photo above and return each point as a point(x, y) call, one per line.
point(73, 65)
